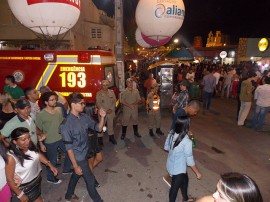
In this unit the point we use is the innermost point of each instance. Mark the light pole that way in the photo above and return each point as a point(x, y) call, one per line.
point(119, 48)
point(175, 41)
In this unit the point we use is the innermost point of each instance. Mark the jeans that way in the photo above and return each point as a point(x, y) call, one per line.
point(226, 87)
point(207, 98)
point(89, 180)
point(179, 181)
point(259, 117)
point(52, 157)
point(243, 113)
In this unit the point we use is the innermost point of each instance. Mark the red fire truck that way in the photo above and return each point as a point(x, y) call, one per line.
point(62, 71)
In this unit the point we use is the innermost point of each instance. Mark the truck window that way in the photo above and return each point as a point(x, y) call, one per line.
point(109, 75)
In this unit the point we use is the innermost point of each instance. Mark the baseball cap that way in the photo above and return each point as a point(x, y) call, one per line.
point(184, 83)
point(22, 103)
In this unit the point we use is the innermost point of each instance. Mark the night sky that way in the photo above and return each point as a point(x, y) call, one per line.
point(237, 18)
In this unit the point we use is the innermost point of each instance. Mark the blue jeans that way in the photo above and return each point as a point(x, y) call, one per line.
point(207, 98)
point(52, 157)
point(89, 180)
point(259, 117)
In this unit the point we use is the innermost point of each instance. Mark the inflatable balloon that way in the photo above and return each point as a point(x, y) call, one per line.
point(48, 17)
point(139, 39)
point(160, 19)
point(159, 41)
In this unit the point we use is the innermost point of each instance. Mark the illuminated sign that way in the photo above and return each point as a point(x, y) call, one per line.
point(73, 76)
point(263, 44)
point(223, 54)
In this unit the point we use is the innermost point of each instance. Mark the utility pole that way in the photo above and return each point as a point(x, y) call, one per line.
point(119, 47)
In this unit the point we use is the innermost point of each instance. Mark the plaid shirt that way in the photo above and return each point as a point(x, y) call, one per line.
point(182, 100)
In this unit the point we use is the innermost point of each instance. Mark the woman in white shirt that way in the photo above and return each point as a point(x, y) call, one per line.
point(5, 193)
point(24, 161)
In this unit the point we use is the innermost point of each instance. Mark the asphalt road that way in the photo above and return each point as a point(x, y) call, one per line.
point(132, 170)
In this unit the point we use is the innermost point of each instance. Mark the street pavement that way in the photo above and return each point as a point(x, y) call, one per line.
point(132, 170)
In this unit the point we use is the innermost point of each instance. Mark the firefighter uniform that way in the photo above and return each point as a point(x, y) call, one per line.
point(106, 99)
point(130, 98)
point(153, 110)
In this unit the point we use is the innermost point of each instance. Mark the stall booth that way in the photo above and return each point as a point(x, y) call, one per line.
point(163, 72)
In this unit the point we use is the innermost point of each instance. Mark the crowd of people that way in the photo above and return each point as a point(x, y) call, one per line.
point(36, 127)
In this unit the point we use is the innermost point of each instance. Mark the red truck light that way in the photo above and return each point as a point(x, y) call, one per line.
point(83, 58)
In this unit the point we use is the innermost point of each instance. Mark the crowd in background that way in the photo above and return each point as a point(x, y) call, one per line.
point(30, 124)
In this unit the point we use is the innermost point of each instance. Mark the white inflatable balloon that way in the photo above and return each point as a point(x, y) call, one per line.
point(160, 18)
point(48, 17)
point(139, 39)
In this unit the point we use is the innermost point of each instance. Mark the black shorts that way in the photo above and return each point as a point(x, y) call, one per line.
point(94, 147)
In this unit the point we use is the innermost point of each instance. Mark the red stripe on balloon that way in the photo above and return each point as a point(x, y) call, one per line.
point(75, 3)
point(154, 42)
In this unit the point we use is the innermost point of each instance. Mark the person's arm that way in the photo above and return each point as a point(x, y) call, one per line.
point(47, 163)
point(139, 99)
point(10, 170)
point(123, 100)
point(190, 160)
point(102, 114)
point(76, 167)
point(66, 134)
point(40, 137)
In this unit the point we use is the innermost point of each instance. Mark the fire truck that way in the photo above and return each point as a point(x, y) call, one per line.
point(63, 71)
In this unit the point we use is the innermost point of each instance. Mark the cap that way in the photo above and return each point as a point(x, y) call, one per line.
point(155, 85)
point(184, 83)
point(105, 82)
point(22, 103)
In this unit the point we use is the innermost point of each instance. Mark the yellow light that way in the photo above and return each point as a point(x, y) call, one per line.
point(263, 44)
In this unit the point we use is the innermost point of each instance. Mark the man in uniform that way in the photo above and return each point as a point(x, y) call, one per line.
point(106, 100)
point(130, 98)
point(153, 110)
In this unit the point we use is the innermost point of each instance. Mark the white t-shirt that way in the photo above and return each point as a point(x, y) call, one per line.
point(217, 75)
point(30, 169)
point(3, 179)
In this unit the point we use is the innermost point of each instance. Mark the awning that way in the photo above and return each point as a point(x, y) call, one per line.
point(162, 63)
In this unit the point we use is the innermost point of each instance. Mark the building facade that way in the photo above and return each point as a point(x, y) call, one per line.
point(94, 29)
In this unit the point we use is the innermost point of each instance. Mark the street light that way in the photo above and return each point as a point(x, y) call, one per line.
point(175, 41)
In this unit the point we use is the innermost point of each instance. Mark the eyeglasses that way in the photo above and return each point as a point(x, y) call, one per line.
point(81, 103)
point(53, 100)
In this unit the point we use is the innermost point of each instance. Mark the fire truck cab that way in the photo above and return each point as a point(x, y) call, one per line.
point(63, 71)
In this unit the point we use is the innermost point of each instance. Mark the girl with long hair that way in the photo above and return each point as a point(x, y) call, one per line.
point(235, 187)
point(95, 155)
point(180, 155)
point(24, 161)
point(5, 193)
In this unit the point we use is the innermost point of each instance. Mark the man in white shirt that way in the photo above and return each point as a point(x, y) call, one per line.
point(262, 95)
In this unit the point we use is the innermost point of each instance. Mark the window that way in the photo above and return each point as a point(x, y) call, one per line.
point(96, 33)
